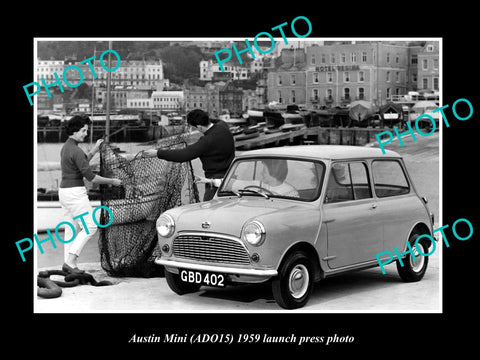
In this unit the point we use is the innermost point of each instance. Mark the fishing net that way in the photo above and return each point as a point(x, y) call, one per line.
point(149, 187)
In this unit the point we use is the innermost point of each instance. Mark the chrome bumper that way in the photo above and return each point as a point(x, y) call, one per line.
point(218, 269)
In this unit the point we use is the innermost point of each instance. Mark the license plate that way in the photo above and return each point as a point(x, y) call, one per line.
point(203, 278)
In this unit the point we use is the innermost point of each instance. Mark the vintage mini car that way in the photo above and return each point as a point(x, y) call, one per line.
point(295, 215)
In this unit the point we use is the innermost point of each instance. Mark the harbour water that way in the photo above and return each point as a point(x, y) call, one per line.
point(48, 160)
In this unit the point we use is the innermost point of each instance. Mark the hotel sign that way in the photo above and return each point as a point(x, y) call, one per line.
point(337, 68)
point(390, 116)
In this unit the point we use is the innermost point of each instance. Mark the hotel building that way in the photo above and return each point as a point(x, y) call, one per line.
point(339, 73)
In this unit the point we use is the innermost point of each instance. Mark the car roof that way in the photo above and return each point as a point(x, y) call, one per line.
point(331, 152)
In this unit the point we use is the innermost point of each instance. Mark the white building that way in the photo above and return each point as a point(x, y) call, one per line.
point(137, 74)
point(140, 74)
point(167, 100)
point(256, 65)
point(139, 103)
point(46, 68)
point(209, 68)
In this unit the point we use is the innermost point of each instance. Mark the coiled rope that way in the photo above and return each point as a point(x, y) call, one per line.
point(47, 288)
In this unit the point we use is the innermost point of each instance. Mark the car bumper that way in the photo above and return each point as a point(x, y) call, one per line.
point(239, 274)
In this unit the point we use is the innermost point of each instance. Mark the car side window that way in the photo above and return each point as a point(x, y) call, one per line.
point(389, 178)
point(348, 181)
point(360, 183)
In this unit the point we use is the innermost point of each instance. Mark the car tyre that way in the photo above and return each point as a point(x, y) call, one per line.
point(294, 284)
point(178, 286)
point(411, 270)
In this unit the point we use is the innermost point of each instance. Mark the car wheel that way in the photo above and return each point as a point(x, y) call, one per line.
point(293, 285)
point(178, 286)
point(414, 270)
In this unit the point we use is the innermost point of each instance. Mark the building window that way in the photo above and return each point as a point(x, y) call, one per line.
point(435, 83)
point(430, 48)
point(329, 94)
point(354, 57)
point(387, 76)
point(364, 56)
point(343, 58)
point(397, 76)
point(329, 77)
point(361, 93)
point(279, 80)
point(388, 58)
point(361, 76)
point(332, 58)
point(425, 64)
point(315, 94)
point(323, 59)
point(293, 97)
point(346, 93)
point(293, 79)
point(435, 64)
point(397, 59)
point(280, 97)
point(346, 76)
point(315, 78)
point(425, 83)
point(312, 59)
point(389, 93)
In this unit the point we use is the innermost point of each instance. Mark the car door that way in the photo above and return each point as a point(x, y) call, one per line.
point(397, 202)
point(349, 212)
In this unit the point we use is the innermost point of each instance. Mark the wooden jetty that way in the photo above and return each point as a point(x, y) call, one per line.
point(312, 135)
point(273, 139)
point(126, 133)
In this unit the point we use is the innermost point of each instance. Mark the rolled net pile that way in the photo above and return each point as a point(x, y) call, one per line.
point(149, 187)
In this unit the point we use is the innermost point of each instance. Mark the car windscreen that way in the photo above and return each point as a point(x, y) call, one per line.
point(274, 177)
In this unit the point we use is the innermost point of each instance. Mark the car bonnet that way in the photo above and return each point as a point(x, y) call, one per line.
point(228, 216)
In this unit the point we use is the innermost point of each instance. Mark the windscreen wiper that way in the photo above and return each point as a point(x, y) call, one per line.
point(241, 191)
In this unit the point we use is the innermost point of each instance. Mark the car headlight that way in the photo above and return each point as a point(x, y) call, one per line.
point(254, 233)
point(165, 225)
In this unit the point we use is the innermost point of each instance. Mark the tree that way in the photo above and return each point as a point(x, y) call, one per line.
point(180, 62)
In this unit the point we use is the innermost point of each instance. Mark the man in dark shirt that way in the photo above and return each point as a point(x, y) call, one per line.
point(216, 150)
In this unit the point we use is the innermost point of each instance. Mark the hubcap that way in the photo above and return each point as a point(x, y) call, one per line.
point(417, 264)
point(298, 281)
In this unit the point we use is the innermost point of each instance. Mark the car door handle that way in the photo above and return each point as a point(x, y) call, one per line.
point(374, 206)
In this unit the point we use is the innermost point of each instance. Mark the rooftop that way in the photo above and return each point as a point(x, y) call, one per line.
point(333, 152)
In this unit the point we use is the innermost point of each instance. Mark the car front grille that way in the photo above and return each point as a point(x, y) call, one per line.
point(210, 249)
